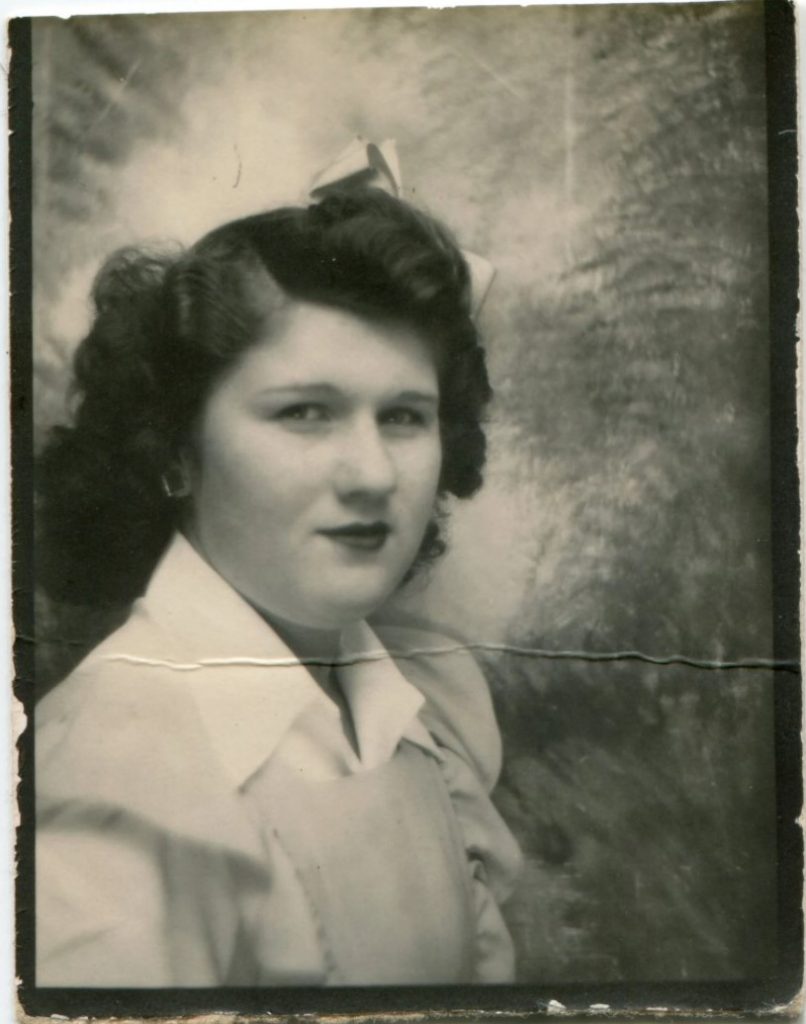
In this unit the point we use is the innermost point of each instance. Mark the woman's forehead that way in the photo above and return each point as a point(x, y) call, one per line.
point(318, 344)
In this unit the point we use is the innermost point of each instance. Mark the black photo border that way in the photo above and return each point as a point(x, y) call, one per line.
point(755, 997)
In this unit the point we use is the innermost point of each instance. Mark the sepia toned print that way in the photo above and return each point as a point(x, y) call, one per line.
point(409, 550)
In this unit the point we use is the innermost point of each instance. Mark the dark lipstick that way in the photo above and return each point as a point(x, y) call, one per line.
point(360, 536)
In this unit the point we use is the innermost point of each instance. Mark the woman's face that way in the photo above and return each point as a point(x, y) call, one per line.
point(316, 466)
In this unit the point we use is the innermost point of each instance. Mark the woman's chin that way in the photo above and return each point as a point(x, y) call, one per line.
point(346, 607)
point(343, 615)
point(340, 599)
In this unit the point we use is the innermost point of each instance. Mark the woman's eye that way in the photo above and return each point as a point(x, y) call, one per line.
point(403, 417)
point(304, 413)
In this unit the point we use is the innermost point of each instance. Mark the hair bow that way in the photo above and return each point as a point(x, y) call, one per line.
point(364, 163)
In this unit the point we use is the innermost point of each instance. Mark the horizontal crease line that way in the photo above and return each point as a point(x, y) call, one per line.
point(534, 652)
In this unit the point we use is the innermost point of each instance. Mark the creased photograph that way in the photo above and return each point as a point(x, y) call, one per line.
point(407, 510)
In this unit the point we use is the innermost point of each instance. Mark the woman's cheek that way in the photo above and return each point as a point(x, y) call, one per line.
point(269, 461)
point(430, 464)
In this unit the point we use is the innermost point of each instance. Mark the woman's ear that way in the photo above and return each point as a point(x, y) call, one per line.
point(177, 480)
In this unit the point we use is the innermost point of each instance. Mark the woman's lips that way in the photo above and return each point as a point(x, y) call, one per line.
point(360, 536)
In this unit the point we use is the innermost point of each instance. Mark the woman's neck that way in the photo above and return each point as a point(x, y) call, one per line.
point(316, 646)
point(318, 650)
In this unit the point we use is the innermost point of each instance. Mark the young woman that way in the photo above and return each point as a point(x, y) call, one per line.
point(245, 785)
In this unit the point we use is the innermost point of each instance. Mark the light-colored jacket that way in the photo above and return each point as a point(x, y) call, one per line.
point(149, 862)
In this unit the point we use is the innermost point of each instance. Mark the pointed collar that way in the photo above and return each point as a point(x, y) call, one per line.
point(384, 705)
point(250, 688)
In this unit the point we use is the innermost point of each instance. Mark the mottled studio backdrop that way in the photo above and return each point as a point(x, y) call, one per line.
point(611, 162)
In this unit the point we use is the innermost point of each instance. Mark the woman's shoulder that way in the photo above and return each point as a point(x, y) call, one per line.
point(123, 733)
point(119, 687)
point(458, 707)
point(111, 717)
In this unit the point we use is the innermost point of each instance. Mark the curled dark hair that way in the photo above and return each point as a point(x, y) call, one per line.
point(165, 328)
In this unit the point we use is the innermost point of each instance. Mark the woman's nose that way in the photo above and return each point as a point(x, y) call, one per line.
point(366, 466)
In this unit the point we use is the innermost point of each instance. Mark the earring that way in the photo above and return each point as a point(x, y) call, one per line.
point(175, 483)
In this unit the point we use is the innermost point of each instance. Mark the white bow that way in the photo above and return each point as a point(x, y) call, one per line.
point(364, 163)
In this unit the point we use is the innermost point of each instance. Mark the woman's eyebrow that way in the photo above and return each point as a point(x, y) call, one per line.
point(309, 388)
point(327, 390)
point(422, 397)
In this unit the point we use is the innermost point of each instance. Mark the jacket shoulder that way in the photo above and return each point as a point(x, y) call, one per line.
point(122, 733)
point(458, 710)
point(109, 705)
